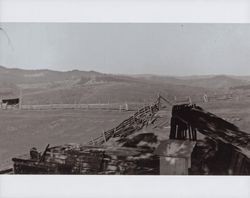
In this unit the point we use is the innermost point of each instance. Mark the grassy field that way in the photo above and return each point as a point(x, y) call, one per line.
point(112, 92)
point(21, 130)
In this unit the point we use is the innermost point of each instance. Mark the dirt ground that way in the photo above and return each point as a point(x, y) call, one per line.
point(21, 130)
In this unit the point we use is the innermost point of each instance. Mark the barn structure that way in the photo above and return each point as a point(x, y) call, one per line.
point(10, 103)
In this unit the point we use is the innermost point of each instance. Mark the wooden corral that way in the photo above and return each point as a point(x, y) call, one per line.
point(134, 123)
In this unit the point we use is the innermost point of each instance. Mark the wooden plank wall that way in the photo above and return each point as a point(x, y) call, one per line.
point(226, 135)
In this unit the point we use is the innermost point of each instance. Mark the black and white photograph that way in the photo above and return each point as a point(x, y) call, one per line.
point(124, 99)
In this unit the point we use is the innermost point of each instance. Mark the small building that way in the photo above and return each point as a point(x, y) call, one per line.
point(12, 102)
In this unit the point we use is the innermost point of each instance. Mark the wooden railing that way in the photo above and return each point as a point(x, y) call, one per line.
point(128, 126)
point(101, 106)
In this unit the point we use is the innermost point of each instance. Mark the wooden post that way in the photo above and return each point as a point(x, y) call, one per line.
point(44, 153)
point(126, 106)
point(195, 134)
point(104, 137)
point(189, 132)
point(159, 101)
point(158, 96)
point(20, 99)
point(185, 133)
point(205, 98)
point(190, 100)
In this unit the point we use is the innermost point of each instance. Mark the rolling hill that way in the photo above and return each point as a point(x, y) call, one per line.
point(209, 82)
point(57, 87)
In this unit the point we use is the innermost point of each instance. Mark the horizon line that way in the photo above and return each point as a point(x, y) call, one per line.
point(124, 74)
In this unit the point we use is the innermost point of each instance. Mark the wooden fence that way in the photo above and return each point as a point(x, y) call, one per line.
point(107, 106)
point(135, 122)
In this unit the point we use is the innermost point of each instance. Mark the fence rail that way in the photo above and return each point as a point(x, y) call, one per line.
point(107, 106)
point(129, 125)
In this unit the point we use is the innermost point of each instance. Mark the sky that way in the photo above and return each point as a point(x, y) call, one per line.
point(163, 49)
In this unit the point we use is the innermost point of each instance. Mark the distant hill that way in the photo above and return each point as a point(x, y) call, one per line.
point(47, 86)
point(209, 82)
point(12, 79)
point(21, 76)
point(220, 81)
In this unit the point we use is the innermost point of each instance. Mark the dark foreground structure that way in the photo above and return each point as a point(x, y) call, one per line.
point(225, 150)
point(128, 149)
point(76, 159)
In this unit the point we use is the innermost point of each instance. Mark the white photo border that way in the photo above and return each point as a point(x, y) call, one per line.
point(117, 11)
point(125, 11)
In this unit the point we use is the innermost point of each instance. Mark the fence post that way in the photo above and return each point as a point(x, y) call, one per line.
point(190, 100)
point(104, 137)
point(205, 98)
point(126, 106)
point(21, 98)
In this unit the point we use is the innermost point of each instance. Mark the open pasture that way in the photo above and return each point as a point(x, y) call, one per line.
point(24, 129)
